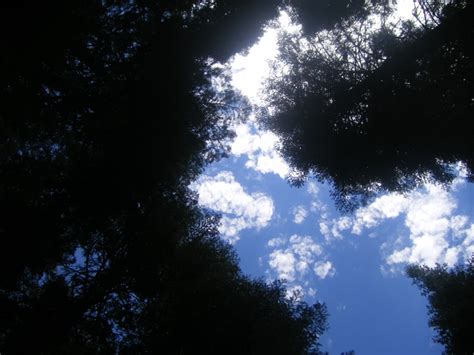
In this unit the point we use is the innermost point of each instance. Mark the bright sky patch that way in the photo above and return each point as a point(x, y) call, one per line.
point(240, 210)
point(354, 262)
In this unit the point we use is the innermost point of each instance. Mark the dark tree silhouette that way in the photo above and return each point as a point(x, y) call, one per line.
point(450, 294)
point(377, 107)
point(320, 15)
point(107, 112)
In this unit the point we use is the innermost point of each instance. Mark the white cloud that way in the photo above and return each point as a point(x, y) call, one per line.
point(283, 262)
point(466, 248)
point(384, 207)
point(295, 292)
point(299, 214)
point(428, 219)
point(241, 210)
point(434, 232)
point(305, 249)
point(332, 228)
point(249, 71)
point(260, 148)
point(312, 188)
point(325, 229)
point(292, 259)
point(457, 224)
point(399, 256)
point(324, 269)
point(469, 236)
point(276, 242)
point(462, 174)
point(429, 211)
point(422, 210)
point(451, 256)
point(340, 225)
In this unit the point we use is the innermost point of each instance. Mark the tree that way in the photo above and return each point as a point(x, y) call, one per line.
point(374, 106)
point(108, 111)
point(450, 294)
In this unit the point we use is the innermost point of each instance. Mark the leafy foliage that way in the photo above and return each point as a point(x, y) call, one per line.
point(108, 111)
point(371, 105)
point(450, 294)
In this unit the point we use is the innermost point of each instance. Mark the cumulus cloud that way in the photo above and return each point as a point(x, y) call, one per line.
point(293, 258)
point(324, 269)
point(312, 188)
point(468, 243)
point(434, 233)
point(325, 229)
point(432, 228)
point(299, 214)
point(240, 210)
point(283, 262)
point(316, 205)
point(385, 207)
point(260, 147)
point(276, 242)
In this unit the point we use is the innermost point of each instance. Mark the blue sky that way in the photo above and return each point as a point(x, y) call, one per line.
point(356, 271)
point(355, 262)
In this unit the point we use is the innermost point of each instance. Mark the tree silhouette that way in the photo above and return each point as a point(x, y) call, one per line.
point(371, 106)
point(108, 111)
point(450, 294)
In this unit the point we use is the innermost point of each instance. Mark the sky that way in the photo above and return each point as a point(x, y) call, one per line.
point(353, 262)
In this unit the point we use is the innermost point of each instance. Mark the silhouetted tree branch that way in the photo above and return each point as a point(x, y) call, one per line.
point(450, 294)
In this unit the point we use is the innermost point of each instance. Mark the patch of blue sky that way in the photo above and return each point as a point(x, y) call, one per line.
point(354, 263)
point(373, 310)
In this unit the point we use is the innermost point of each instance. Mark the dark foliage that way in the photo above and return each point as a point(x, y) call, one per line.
point(320, 15)
point(374, 108)
point(450, 294)
point(107, 113)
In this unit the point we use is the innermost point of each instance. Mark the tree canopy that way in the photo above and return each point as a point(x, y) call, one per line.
point(450, 294)
point(374, 105)
point(108, 110)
